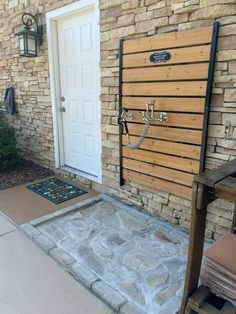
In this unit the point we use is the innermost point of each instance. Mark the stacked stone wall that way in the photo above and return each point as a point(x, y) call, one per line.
point(124, 19)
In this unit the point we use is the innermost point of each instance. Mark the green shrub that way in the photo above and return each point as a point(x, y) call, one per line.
point(8, 152)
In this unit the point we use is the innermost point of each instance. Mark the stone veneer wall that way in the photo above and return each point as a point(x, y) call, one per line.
point(124, 19)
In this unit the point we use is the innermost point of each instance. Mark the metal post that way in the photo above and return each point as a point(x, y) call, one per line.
point(120, 111)
point(210, 80)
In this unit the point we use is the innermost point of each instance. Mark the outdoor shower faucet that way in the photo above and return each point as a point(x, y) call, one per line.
point(149, 113)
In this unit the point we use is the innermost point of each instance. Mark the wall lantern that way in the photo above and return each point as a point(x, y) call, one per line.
point(30, 37)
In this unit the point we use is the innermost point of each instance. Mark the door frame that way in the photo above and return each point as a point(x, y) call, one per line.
point(52, 18)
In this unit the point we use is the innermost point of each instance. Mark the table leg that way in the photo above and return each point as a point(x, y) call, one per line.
point(196, 242)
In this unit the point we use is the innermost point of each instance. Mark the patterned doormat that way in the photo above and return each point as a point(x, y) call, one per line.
point(56, 190)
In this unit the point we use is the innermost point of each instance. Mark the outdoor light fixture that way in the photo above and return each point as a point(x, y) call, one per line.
point(30, 37)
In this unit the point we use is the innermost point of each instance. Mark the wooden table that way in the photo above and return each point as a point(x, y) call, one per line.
point(213, 184)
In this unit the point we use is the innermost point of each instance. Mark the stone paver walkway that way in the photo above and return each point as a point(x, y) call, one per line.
point(134, 262)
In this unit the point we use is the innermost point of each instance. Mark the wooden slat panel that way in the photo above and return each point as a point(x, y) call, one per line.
point(159, 172)
point(159, 184)
point(171, 134)
point(170, 153)
point(168, 73)
point(173, 162)
point(166, 104)
point(164, 41)
point(193, 121)
point(180, 55)
point(197, 88)
point(172, 148)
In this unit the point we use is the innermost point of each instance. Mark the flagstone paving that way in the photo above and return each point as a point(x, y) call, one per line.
point(134, 262)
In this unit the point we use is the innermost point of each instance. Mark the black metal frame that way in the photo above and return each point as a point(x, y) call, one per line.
point(120, 110)
point(210, 80)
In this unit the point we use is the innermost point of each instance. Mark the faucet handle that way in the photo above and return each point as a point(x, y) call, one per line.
point(163, 116)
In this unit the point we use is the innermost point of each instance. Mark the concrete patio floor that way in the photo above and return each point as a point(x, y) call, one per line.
point(32, 283)
point(21, 205)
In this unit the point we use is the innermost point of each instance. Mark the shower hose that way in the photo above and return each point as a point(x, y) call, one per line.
point(142, 135)
point(141, 138)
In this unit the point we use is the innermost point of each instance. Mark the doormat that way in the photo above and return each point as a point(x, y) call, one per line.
point(56, 190)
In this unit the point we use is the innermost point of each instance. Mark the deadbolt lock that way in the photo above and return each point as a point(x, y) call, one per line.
point(62, 109)
point(62, 98)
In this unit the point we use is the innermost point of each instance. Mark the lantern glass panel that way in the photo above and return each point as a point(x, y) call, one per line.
point(31, 43)
point(21, 43)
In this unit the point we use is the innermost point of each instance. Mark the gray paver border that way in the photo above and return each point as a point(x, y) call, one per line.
point(83, 280)
point(64, 211)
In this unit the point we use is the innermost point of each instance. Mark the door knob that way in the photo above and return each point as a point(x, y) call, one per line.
point(62, 98)
point(62, 109)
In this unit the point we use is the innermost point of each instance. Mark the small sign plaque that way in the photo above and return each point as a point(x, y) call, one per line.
point(162, 56)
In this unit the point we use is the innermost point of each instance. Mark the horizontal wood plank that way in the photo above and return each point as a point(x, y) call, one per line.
point(167, 73)
point(226, 189)
point(166, 147)
point(197, 88)
point(193, 121)
point(228, 308)
point(171, 134)
point(212, 177)
point(199, 296)
point(187, 165)
point(159, 184)
point(165, 104)
point(173, 39)
point(180, 55)
point(159, 172)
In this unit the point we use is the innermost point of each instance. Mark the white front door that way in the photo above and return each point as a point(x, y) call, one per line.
point(79, 78)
